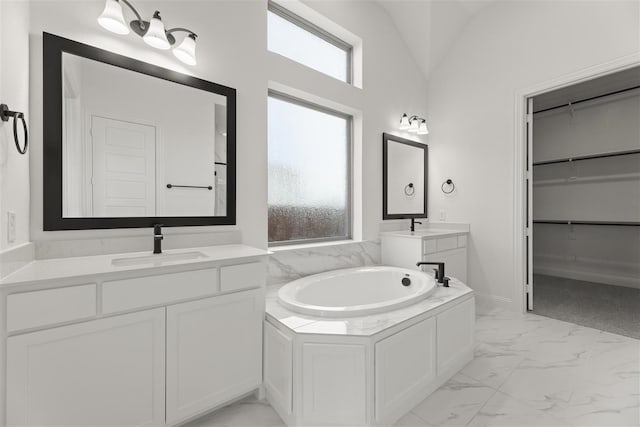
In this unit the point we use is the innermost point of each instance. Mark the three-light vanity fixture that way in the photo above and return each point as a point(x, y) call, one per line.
point(414, 124)
point(152, 31)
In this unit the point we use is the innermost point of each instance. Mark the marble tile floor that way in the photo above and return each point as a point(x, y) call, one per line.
point(528, 370)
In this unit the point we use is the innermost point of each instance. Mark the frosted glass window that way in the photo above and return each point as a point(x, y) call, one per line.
point(309, 172)
point(301, 41)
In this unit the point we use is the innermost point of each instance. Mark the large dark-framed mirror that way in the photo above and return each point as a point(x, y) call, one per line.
point(405, 171)
point(129, 144)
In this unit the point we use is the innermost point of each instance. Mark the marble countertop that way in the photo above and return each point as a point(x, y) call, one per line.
point(428, 233)
point(365, 325)
point(51, 270)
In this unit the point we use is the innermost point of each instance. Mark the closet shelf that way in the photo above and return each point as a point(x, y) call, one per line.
point(587, 157)
point(588, 99)
point(571, 222)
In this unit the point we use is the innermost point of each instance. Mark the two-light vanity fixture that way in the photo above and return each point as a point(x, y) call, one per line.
point(152, 31)
point(414, 124)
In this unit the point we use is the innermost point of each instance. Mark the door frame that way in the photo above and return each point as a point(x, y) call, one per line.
point(520, 156)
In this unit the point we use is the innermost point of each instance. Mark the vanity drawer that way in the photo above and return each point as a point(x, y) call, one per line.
point(462, 241)
point(40, 308)
point(429, 246)
point(127, 294)
point(446, 243)
point(242, 276)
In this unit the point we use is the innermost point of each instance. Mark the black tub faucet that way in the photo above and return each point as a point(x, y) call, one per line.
point(157, 238)
point(440, 277)
point(413, 224)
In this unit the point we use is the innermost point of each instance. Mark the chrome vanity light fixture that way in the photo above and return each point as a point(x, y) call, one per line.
point(152, 32)
point(414, 124)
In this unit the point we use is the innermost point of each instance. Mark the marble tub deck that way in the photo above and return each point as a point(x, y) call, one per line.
point(362, 325)
point(528, 370)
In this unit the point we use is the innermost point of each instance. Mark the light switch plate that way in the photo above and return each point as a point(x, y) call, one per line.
point(443, 215)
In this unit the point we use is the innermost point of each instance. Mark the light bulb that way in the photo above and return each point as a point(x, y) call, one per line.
point(422, 130)
point(186, 52)
point(112, 19)
point(156, 35)
point(415, 125)
point(404, 122)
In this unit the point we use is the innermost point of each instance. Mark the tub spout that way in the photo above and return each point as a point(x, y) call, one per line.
point(439, 272)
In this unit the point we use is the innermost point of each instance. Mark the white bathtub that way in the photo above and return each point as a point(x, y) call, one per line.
point(356, 291)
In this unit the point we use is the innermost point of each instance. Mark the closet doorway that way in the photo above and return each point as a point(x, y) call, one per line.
point(583, 203)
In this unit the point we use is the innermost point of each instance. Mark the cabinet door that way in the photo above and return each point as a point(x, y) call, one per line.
point(405, 370)
point(278, 369)
point(455, 262)
point(455, 328)
point(103, 372)
point(334, 385)
point(214, 352)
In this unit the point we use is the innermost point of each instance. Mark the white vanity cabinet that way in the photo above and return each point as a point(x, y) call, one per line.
point(405, 249)
point(133, 348)
point(214, 351)
point(102, 372)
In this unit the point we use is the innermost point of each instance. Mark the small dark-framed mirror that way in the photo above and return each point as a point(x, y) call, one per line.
point(405, 167)
point(129, 144)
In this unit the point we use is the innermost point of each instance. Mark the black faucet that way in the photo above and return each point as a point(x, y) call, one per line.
point(440, 277)
point(157, 238)
point(413, 224)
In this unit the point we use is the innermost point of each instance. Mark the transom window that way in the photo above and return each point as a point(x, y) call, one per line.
point(301, 41)
point(309, 172)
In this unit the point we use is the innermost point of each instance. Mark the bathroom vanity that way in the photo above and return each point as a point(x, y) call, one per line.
point(405, 248)
point(121, 339)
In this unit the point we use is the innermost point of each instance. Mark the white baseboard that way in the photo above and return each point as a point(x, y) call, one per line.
point(486, 302)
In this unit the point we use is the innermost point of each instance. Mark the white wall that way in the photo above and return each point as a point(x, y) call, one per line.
point(507, 47)
point(14, 91)
point(606, 189)
point(232, 51)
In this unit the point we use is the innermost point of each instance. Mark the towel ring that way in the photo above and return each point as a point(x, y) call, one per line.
point(409, 189)
point(448, 182)
point(5, 114)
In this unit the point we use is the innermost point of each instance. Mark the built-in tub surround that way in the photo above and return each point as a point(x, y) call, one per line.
point(356, 291)
point(291, 263)
point(124, 334)
point(367, 370)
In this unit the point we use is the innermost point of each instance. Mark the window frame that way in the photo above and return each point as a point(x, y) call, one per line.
point(317, 31)
point(349, 170)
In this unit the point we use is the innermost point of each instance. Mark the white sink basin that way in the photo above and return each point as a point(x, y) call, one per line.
point(417, 233)
point(157, 259)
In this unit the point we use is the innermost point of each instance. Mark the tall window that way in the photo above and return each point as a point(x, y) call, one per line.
point(309, 172)
point(301, 41)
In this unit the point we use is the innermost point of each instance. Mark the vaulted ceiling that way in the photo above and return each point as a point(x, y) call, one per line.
point(430, 27)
